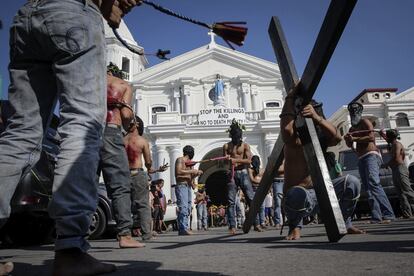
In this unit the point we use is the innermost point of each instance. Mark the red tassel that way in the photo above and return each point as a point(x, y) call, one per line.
point(230, 33)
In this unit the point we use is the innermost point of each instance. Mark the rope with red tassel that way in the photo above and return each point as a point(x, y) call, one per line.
point(226, 30)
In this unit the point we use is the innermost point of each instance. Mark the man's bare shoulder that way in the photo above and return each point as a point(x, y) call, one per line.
point(399, 145)
point(117, 81)
point(245, 145)
point(366, 123)
point(226, 146)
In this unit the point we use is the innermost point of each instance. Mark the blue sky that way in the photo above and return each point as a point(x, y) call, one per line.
point(376, 49)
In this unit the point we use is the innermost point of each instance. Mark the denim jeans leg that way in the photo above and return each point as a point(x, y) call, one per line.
point(32, 92)
point(379, 203)
point(181, 192)
point(114, 166)
point(231, 198)
point(199, 216)
point(277, 201)
point(204, 215)
point(244, 182)
point(262, 216)
point(140, 200)
point(300, 202)
point(363, 167)
point(347, 190)
point(80, 76)
point(189, 205)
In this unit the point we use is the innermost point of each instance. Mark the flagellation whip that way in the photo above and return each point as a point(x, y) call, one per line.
point(381, 132)
point(191, 163)
point(230, 31)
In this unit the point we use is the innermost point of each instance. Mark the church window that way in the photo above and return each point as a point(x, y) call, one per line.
point(125, 67)
point(273, 104)
point(155, 110)
point(402, 120)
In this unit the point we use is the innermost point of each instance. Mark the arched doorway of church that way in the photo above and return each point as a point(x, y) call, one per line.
point(215, 177)
point(216, 187)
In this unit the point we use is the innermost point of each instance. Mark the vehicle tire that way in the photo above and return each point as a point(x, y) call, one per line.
point(98, 224)
point(23, 230)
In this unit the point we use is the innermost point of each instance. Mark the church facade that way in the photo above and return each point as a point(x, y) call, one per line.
point(385, 109)
point(191, 99)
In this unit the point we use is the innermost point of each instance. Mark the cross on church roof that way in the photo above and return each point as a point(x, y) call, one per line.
point(212, 42)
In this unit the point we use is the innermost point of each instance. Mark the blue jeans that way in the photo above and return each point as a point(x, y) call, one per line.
point(369, 167)
point(260, 217)
point(241, 179)
point(240, 211)
point(277, 186)
point(301, 202)
point(183, 194)
point(57, 51)
point(115, 171)
point(201, 216)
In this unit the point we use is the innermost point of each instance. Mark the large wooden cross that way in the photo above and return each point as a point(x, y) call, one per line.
point(333, 25)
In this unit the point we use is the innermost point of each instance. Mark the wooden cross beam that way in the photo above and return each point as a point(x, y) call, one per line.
point(334, 23)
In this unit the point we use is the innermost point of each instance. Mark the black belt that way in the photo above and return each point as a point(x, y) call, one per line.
point(278, 180)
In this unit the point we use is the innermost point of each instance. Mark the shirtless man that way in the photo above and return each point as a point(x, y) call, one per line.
point(184, 177)
point(255, 176)
point(201, 205)
point(400, 176)
point(113, 157)
point(362, 133)
point(137, 147)
point(300, 199)
point(239, 155)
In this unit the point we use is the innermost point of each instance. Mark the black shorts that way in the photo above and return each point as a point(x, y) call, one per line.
point(158, 213)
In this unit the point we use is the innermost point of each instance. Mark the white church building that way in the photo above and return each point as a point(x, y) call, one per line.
point(176, 99)
point(386, 109)
point(178, 103)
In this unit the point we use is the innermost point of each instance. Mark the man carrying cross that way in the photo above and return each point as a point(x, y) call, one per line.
point(300, 198)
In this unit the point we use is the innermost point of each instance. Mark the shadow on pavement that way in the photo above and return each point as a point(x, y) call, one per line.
point(151, 268)
point(403, 246)
point(131, 268)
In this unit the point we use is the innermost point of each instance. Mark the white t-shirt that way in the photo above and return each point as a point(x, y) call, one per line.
point(268, 201)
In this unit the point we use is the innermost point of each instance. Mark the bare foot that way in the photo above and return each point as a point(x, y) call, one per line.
point(257, 228)
point(128, 242)
point(355, 231)
point(70, 262)
point(293, 235)
point(6, 268)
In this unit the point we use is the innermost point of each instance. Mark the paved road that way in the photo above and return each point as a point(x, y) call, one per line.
point(385, 250)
